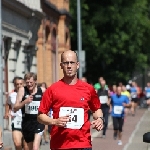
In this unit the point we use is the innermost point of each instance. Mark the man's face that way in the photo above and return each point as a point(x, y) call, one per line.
point(123, 88)
point(69, 64)
point(18, 84)
point(43, 85)
point(148, 84)
point(101, 79)
point(133, 84)
point(30, 83)
point(118, 90)
point(103, 83)
point(114, 88)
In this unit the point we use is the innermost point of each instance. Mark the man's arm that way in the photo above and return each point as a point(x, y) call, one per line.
point(109, 98)
point(127, 102)
point(19, 103)
point(127, 105)
point(98, 113)
point(98, 120)
point(43, 89)
point(7, 108)
point(109, 101)
point(44, 119)
point(110, 106)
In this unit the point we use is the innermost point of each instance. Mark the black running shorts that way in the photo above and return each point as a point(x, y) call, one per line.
point(135, 100)
point(30, 128)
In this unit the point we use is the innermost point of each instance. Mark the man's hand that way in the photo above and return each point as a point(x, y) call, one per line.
point(124, 104)
point(62, 121)
point(110, 110)
point(6, 116)
point(97, 124)
point(29, 99)
point(1, 145)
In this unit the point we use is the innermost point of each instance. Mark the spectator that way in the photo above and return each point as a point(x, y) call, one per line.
point(1, 143)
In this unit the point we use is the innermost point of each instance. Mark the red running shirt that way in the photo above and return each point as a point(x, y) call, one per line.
point(80, 95)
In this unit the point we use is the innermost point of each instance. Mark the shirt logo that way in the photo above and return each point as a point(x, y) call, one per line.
point(82, 99)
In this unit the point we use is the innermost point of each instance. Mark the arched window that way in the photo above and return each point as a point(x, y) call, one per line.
point(47, 33)
point(53, 40)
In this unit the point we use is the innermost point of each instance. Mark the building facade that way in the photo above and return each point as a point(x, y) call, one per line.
point(35, 33)
point(21, 20)
point(20, 23)
point(53, 39)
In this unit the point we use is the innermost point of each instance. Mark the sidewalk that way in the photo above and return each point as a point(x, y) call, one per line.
point(133, 130)
point(8, 142)
point(135, 140)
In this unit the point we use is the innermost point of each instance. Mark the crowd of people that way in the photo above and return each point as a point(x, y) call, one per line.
point(119, 101)
point(64, 109)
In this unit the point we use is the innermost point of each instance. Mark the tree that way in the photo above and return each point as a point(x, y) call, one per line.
point(115, 36)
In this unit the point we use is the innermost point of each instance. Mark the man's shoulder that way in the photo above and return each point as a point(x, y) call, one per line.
point(96, 85)
point(54, 85)
point(113, 95)
point(124, 96)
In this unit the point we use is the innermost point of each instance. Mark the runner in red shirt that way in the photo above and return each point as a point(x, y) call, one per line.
point(70, 99)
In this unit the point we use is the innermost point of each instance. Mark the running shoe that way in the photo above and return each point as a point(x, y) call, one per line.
point(119, 142)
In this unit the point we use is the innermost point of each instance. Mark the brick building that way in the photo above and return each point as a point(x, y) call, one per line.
point(53, 39)
point(34, 34)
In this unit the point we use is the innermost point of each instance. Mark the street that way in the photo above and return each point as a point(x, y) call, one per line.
point(134, 128)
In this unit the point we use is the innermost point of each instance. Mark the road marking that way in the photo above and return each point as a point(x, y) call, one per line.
point(133, 133)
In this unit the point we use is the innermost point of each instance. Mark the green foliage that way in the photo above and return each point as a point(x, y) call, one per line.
point(115, 35)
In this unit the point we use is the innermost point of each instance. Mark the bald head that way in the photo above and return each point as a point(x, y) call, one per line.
point(69, 64)
point(69, 53)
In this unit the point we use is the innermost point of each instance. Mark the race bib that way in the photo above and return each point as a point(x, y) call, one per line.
point(118, 110)
point(133, 95)
point(76, 116)
point(103, 99)
point(17, 122)
point(32, 108)
point(148, 94)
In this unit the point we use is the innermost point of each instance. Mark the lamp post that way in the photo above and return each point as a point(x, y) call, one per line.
point(1, 74)
point(79, 36)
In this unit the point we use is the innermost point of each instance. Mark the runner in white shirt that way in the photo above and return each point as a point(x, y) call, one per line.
point(17, 116)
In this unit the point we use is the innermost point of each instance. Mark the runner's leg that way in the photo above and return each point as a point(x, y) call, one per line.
point(37, 140)
point(30, 145)
point(115, 125)
point(17, 138)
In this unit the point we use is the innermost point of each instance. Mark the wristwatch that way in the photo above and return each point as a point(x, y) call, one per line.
point(101, 118)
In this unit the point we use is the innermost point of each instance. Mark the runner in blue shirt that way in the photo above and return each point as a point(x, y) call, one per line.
point(118, 104)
